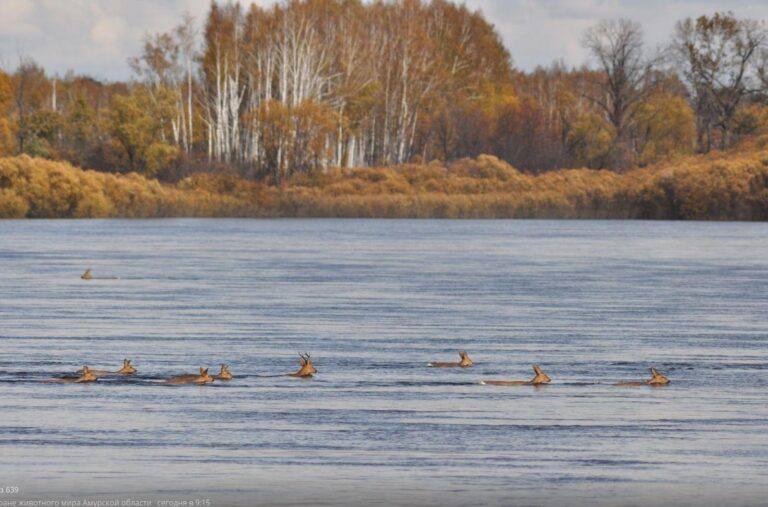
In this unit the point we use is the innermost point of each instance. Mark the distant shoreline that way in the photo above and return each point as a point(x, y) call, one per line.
point(717, 187)
point(382, 219)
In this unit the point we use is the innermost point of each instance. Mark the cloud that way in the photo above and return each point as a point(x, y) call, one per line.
point(97, 37)
point(107, 33)
point(94, 37)
point(15, 19)
point(538, 32)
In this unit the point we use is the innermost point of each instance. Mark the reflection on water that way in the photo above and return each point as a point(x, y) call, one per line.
point(374, 302)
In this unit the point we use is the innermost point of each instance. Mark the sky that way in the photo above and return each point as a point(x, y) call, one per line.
point(96, 37)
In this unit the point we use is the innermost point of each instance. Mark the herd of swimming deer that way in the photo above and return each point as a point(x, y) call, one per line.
point(86, 374)
point(307, 370)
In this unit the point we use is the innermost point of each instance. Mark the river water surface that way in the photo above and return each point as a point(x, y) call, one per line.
point(373, 301)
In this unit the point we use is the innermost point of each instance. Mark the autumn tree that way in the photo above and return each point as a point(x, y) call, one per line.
point(6, 125)
point(717, 56)
point(139, 124)
point(31, 93)
point(664, 128)
point(223, 81)
point(167, 61)
point(591, 140)
point(625, 72)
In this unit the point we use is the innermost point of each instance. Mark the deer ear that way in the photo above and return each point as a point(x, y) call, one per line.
point(205, 371)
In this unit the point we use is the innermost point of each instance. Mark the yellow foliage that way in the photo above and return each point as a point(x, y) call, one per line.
point(591, 140)
point(12, 205)
point(137, 124)
point(666, 127)
point(6, 137)
point(6, 126)
point(715, 186)
point(38, 188)
point(157, 156)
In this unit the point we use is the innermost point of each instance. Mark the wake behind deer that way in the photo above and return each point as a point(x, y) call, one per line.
point(540, 379)
point(202, 378)
point(88, 275)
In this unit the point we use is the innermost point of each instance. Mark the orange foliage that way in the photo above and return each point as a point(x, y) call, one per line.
point(6, 99)
point(39, 188)
point(711, 187)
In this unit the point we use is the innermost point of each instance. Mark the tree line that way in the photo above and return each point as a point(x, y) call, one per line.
point(306, 86)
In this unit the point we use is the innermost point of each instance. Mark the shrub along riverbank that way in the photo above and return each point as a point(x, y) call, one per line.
point(713, 187)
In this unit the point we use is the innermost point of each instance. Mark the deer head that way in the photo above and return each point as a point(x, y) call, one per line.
point(657, 379)
point(541, 377)
point(87, 275)
point(224, 374)
point(127, 368)
point(465, 362)
point(87, 375)
point(306, 370)
point(204, 378)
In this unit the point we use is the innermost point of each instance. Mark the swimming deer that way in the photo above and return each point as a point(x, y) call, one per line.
point(127, 369)
point(465, 362)
point(202, 378)
point(88, 275)
point(656, 380)
point(224, 374)
point(539, 379)
point(86, 375)
point(306, 370)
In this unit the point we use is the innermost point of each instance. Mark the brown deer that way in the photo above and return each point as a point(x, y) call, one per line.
point(88, 275)
point(224, 374)
point(306, 370)
point(656, 380)
point(202, 378)
point(539, 379)
point(86, 375)
point(127, 369)
point(465, 362)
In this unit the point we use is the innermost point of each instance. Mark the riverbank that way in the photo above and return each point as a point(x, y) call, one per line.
point(725, 186)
